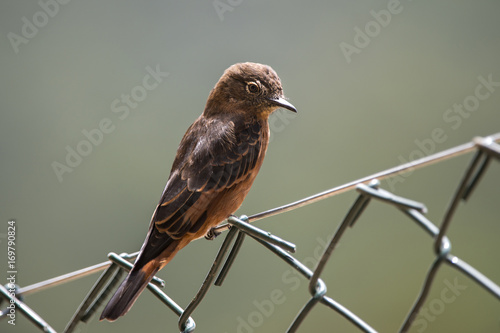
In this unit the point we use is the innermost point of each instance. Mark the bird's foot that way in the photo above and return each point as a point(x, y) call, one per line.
point(212, 234)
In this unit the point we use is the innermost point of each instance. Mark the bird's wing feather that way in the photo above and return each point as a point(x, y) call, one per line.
point(210, 159)
point(204, 168)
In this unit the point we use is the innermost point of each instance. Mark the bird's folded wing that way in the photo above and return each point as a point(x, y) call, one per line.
point(223, 159)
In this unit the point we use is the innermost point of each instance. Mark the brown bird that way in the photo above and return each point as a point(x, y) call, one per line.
point(215, 166)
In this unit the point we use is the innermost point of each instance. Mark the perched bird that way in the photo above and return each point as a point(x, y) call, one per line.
point(215, 166)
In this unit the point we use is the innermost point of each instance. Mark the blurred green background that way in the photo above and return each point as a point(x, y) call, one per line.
point(367, 101)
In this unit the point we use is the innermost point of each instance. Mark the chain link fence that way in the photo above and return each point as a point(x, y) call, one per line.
point(240, 229)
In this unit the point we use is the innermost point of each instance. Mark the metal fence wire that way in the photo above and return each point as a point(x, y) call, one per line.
point(240, 228)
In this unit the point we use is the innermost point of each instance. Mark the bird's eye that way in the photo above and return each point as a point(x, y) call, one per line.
point(253, 88)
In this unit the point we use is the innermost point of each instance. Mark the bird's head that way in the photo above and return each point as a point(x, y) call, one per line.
point(247, 87)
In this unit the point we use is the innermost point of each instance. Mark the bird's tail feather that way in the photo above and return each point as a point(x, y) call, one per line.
point(127, 293)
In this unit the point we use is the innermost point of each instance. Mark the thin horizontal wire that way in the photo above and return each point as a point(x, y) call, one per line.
point(42, 285)
point(428, 160)
point(424, 161)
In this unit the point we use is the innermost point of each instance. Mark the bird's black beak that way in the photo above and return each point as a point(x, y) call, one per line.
point(283, 103)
